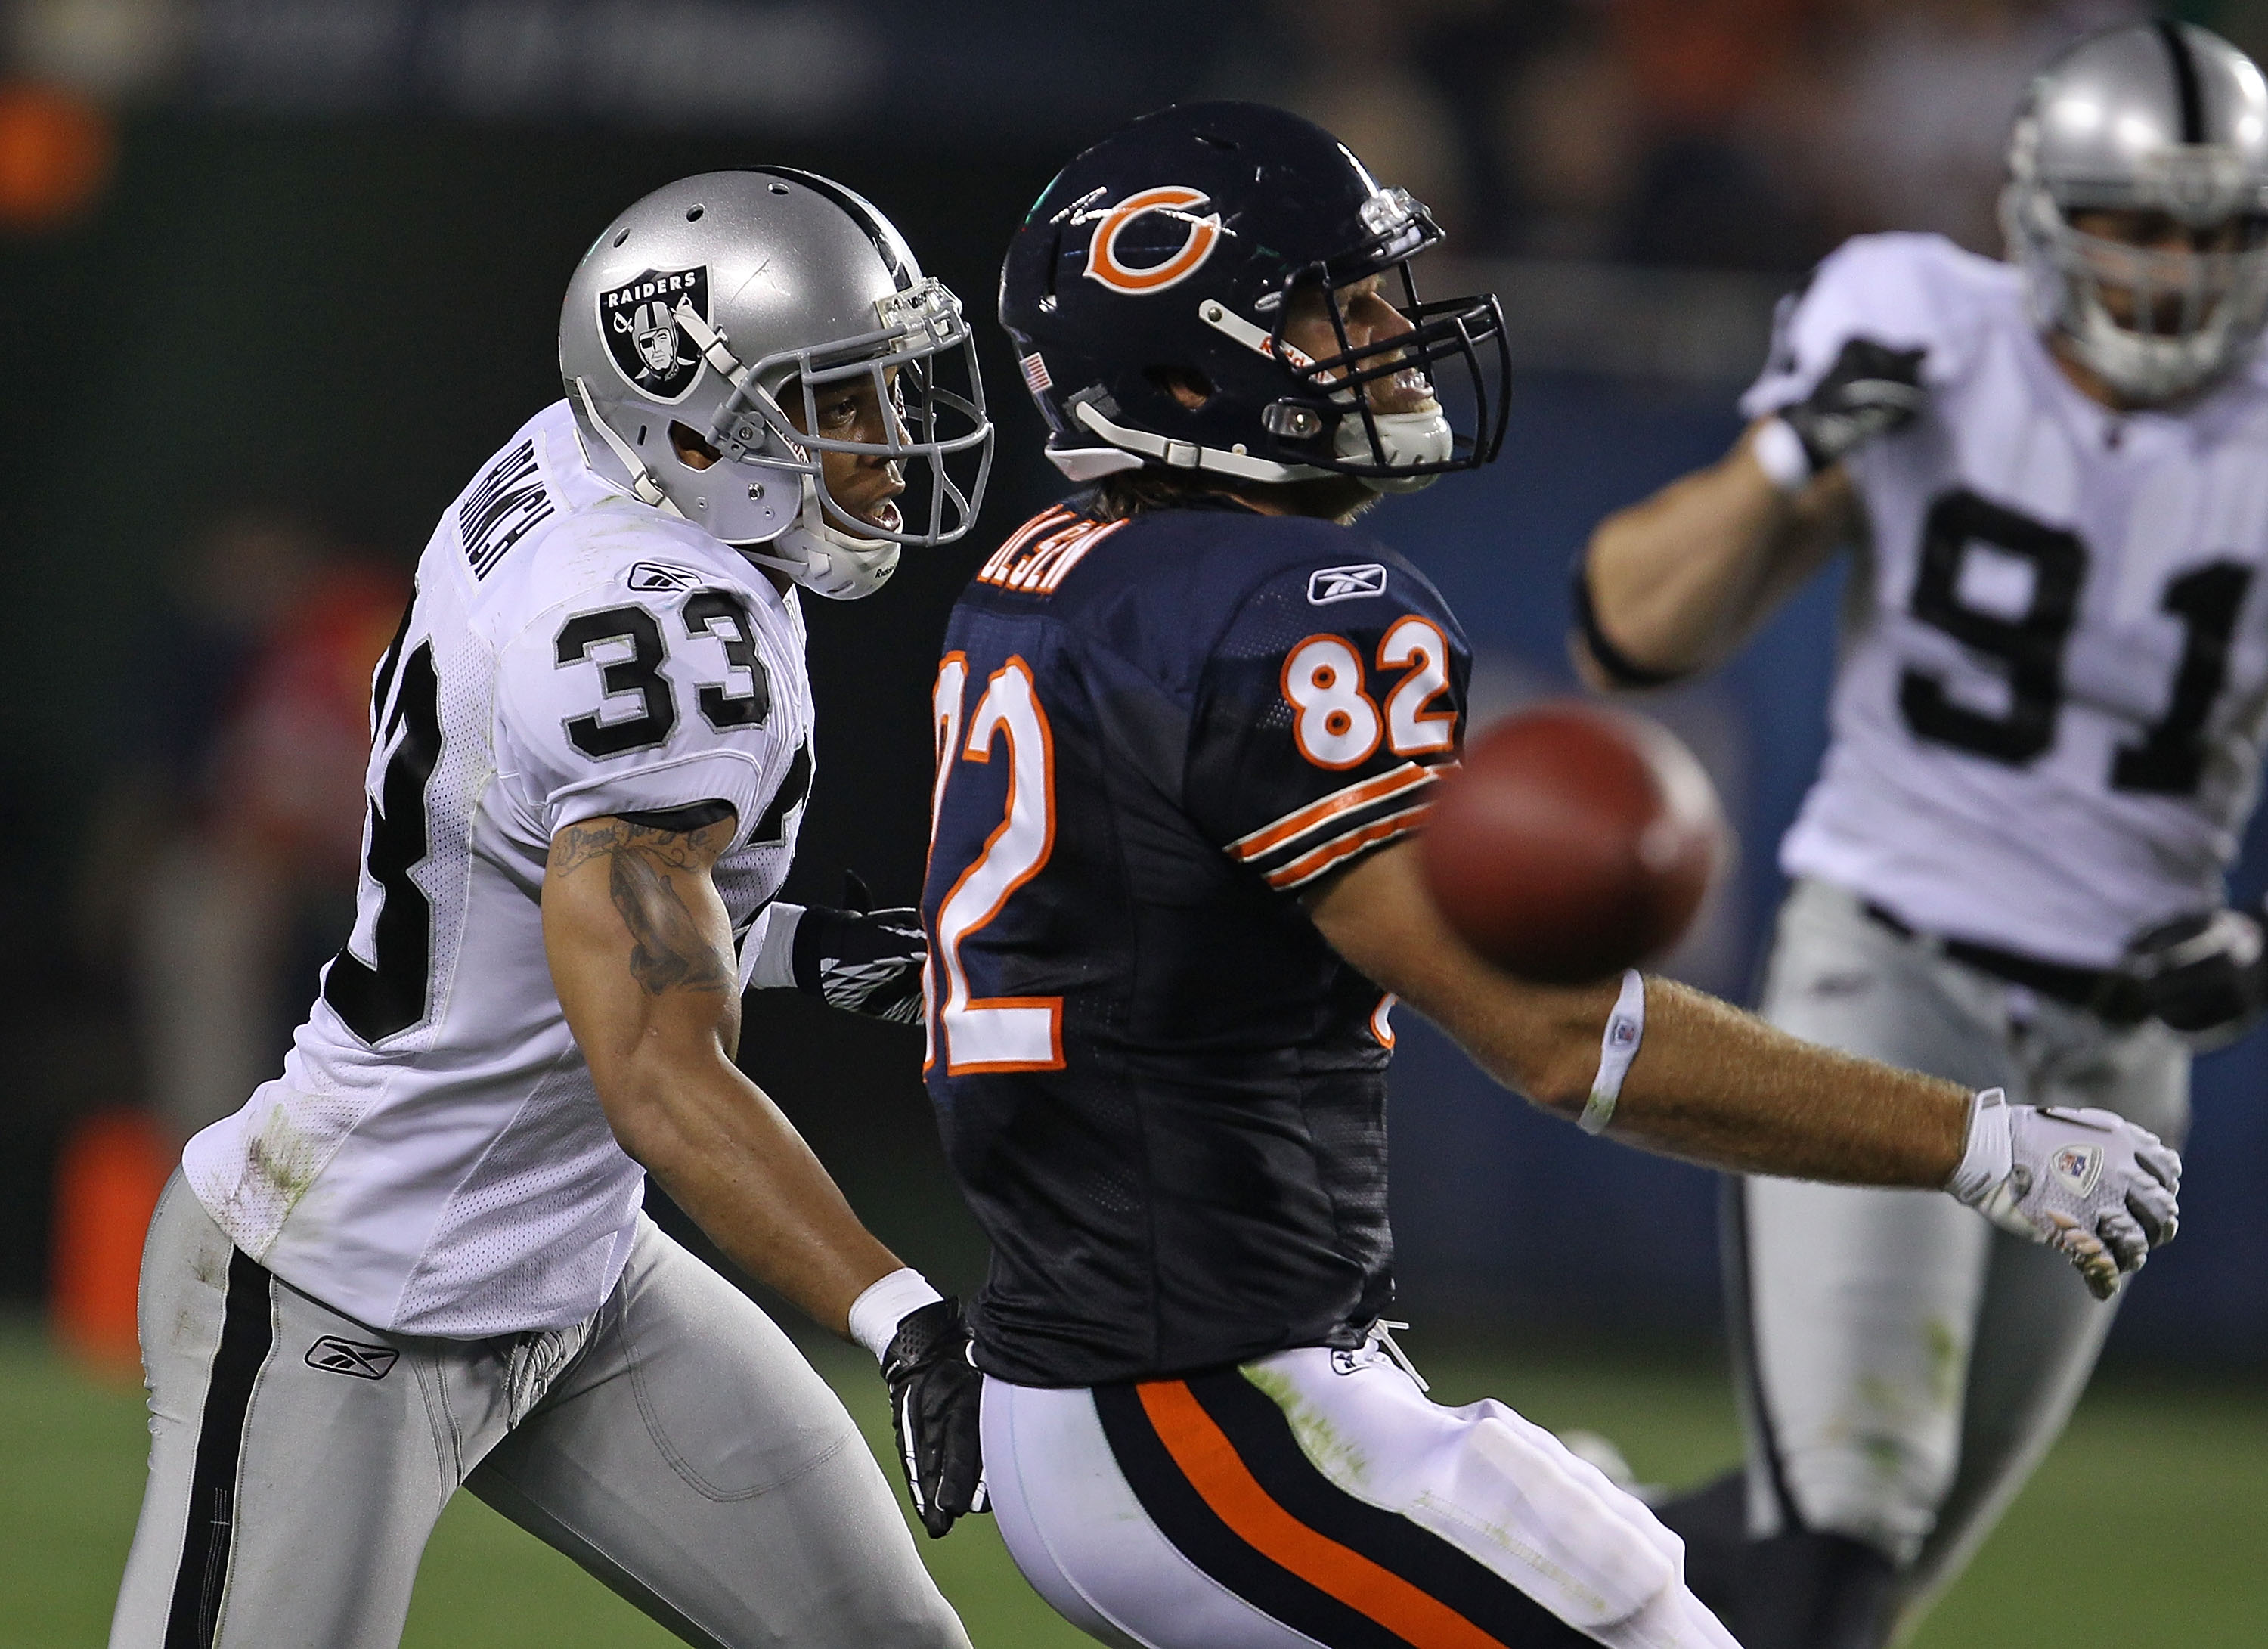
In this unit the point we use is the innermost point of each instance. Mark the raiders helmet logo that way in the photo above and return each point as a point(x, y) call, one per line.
point(649, 349)
point(1176, 206)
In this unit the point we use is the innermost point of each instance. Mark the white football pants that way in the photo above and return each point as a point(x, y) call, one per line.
point(1906, 1364)
point(676, 1446)
point(1317, 1498)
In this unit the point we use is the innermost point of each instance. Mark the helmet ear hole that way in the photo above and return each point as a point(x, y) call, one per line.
point(692, 449)
point(1189, 387)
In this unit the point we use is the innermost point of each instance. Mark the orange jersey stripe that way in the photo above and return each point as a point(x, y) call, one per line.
point(1211, 1462)
point(1309, 866)
point(1371, 789)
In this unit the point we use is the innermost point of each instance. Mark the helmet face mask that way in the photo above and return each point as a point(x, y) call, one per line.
point(706, 303)
point(1225, 247)
point(1347, 431)
point(905, 364)
point(2166, 126)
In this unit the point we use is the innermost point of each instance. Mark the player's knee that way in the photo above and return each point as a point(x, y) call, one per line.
point(1601, 1559)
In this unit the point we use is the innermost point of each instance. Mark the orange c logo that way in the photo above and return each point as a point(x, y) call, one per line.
point(1102, 263)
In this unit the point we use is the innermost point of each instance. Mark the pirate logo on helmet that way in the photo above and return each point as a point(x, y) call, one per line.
point(649, 349)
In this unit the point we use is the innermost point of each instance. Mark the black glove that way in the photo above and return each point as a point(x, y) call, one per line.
point(2206, 972)
point(1871, 390)
point(862, 960)
point(934, 1395)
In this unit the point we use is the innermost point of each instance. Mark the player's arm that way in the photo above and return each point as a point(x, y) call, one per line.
point(641, 953)
point(1718, 1087)
point(1676, 582)
point(1710, 1083)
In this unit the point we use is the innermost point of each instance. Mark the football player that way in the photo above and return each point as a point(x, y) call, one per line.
point(417, 1259)
point(2045, 727)
point(1186, 723)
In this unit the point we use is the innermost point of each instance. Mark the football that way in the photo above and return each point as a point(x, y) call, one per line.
point(1574, 842)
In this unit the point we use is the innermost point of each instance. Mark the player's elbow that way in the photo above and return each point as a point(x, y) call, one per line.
point(649, 1096)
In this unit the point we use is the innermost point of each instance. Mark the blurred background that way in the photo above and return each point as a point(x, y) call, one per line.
point(278, 274)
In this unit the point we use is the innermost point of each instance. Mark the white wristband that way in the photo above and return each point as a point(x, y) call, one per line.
point(1778, 451)
point(1625, 1030)
point(768, 954)
point(1990, 1153)
point(877, 1313)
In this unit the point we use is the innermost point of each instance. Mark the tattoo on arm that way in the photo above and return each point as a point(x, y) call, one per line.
point(668, 951)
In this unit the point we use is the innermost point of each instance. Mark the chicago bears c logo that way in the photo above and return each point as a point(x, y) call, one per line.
point(1199, 236)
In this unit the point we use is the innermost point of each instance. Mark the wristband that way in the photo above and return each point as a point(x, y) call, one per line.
point(1990, 1153)
point(768, 954)
point(1617, 1047)
point(877, 1313)
point(1779, 452)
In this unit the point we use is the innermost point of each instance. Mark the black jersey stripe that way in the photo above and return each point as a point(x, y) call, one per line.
point(1389, 825)
point(1295, 832)
point(1481, 1605)
point(247, 1333)
point(2186, 85)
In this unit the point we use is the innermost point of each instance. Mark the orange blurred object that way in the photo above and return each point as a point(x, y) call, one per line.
point(107, 1179)
point(55, 155)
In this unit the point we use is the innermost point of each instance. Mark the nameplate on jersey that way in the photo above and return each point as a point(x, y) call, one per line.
point(504, 505)
point(1040, 554)
point(1327, 584)
point(652, 574)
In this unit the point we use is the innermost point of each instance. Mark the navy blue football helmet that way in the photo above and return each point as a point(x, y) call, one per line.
point(1165, 255)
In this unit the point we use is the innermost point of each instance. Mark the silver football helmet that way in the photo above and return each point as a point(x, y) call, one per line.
point(720, 301)
point(2160, 117)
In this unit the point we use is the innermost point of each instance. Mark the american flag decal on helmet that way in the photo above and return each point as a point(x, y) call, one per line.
point(1035, 373)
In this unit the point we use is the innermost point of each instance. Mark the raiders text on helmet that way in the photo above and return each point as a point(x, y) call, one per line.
point(1164, 256)
point(2160, 117)
point(711, 299)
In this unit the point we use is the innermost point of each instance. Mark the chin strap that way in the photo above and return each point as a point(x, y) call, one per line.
point(822, 558)
point(644, 487)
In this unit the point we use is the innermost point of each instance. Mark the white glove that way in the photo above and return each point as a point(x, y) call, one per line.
point(2092, 1184)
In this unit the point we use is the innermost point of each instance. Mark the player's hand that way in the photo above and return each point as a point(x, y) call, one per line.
point(1871, 390)
point(2204, 973)
point(2096, 1187)
point(862, 960)
point(935, 1393)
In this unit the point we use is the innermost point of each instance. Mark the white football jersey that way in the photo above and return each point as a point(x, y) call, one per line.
point(433, 1160)
point(2048, 713)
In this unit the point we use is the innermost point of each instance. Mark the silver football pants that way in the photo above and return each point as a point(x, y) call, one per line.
point(1906, 1364)
point(676, 1446)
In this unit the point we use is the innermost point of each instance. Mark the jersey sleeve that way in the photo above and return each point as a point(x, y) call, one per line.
point(639, 702)
point(1897, 289)
point(1326, 712)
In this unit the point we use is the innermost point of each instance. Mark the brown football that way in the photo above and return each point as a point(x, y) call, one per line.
point(1575, 841)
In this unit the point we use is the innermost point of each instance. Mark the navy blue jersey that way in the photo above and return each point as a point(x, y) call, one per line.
point(1162, 1093)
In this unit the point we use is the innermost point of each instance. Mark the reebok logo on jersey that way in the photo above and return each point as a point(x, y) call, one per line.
point(335, 1356)
point(649, 349)
point(652, 574)
point(1327, 584)
point(2078, 1167)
